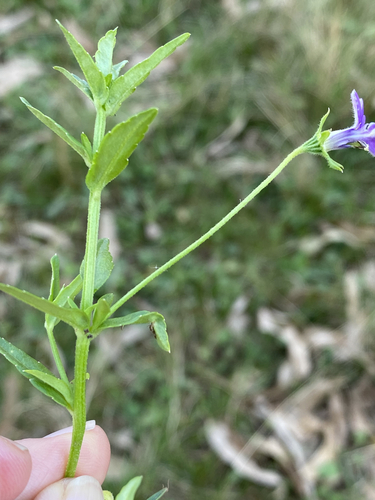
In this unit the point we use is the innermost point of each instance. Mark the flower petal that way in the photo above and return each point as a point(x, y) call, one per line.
point(358, 110)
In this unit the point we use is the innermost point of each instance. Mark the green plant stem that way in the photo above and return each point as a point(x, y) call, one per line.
point(91, 249)
point(99, 129)
point(301, 149)
point(79, 402)
point(56, 354)
point(83, 343)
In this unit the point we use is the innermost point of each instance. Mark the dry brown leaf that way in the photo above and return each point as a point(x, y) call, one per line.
point(299, 364)
point(270, 320)
point(47, 232)
point(362, 408)
point(224, 444)
point(10, 22)
point(312, 245)
point(17, 71)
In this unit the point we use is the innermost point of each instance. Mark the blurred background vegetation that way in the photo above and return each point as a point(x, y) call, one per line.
point(269, 390)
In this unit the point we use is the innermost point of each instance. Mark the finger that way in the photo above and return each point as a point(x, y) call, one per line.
point(15, 468)
point(79, 488)
point(50, 455)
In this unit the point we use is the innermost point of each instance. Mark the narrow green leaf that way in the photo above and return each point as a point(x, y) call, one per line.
point(159, 329)
point(125, 85)
point(129, 490)
point(55, 280)
point(61, 299)
point(104, 54)
point(116, 147)
point(74, 317)
point(24, 363)
point(101, 312)
point(69, 291)
point(103, 264)
point(59, 130)
point(138, 317)
point(158, 494)
point(72, 304)
point(87, 145)
point(50, 392)
point(108, 297)
point(76, 80)
point(156, 320)
point(93, 75)
point(20, 359)
point(116, 68)
point(66, 390)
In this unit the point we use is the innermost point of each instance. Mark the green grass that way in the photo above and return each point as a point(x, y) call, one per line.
point(276, 71)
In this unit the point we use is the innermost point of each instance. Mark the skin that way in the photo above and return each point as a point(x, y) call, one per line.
point(31, 473)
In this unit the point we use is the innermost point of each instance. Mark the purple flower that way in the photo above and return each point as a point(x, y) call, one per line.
point(360, 135)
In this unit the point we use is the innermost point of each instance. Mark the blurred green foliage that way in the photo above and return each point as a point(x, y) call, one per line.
point(245, 91)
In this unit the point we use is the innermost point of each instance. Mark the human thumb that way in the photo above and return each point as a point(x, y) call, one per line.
point(78, 488)
point(15, 468)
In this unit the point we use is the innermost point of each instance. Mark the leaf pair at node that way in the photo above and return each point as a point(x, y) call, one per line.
point(107, 89)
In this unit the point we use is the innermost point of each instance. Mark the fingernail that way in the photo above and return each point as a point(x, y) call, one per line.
point(83, 487)
point(14, 443)
point(90, 425)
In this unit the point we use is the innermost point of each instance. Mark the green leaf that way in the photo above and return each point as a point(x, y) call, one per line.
point(87, 145)
point(69, 291)
point(116, 68)
point(55, 280)
point(25, 363)
point(130, 489)
point(125, 85)
point(62, 298)
point(104, 263)
point(76, 80)
point(104, 54)
point(116, 147)
point(74, 317)
point(54, 290)
point(72, 304)
point(59, 130)
point(159, 329)
point(66, 390)
point(101, 311)
point(51, 393)
point(158, 494)
point(156, 320)
point(109, 298)
point(93, 75)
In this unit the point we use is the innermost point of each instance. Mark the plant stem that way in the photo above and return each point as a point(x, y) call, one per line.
point(83, 343)
point(301, 149)
point(99, 129)
point(91, 250)
point(56, 354)
point(79, 402)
